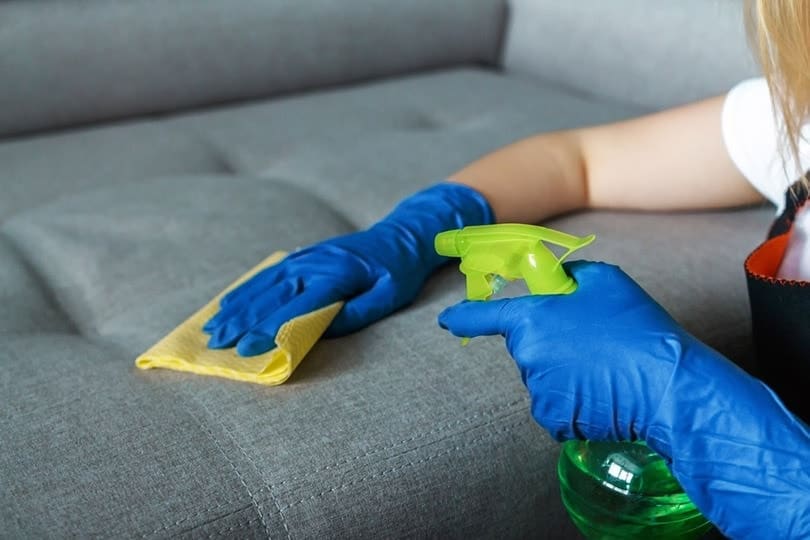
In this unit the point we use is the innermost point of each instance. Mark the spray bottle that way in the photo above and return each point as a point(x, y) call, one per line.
point(610, 489)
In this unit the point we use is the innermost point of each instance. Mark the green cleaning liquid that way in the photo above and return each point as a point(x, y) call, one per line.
point(625, 491)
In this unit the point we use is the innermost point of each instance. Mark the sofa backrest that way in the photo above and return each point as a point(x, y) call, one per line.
point(651, 53)
point(68, 62)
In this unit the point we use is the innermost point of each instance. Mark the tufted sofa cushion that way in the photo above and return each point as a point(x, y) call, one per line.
point(111, 236)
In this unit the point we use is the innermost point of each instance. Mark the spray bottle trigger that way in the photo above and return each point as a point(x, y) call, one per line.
point(564, 239)
point(578, 243)
point(554, 280)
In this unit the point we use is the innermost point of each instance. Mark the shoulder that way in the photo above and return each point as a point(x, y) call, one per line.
point(752, 135)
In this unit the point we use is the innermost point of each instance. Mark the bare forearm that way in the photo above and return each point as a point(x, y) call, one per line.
point(531, 180)
point(672, 160)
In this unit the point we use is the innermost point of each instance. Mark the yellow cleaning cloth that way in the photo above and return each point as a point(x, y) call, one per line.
point(186, 347)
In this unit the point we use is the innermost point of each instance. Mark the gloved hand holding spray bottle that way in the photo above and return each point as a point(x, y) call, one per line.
point(610, 489)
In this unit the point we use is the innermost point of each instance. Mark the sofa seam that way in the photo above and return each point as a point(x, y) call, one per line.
point(472, 444)
point(456, 435)
point(232, 528)
point(443, 428)
point(196, 514)
point(258, 474)
point(268, 175)
point(213, 520)
point(42, 283)
point(234, 467)
point(218, 445)
point(468, 421)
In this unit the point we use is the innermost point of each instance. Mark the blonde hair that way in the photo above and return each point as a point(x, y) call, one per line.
point(780, 33)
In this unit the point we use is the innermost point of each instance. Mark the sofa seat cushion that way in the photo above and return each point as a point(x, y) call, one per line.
point(110, 237)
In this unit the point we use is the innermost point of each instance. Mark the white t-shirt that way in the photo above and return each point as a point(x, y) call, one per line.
point(751, 135)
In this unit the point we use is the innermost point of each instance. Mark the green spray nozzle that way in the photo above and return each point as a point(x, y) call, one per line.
point(491, 254)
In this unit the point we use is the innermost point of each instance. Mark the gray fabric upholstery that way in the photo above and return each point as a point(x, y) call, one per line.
point(394, 431)
point(111, 235)
point(64, 63)
point(651, 53)
point(327, 142)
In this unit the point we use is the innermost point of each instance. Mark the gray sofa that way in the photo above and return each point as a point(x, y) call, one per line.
point(151, 152)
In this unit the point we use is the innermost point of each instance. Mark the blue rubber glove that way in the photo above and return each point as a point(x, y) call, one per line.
point(376, 271)
point(608, 363)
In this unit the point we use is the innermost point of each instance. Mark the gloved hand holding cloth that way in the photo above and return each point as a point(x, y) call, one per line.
point(376, 272)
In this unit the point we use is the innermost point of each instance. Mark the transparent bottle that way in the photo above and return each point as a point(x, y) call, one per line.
point(625, 491)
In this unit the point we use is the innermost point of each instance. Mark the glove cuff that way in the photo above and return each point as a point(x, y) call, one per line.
point(732, 445)
point(441, 207)
point(455, 205)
